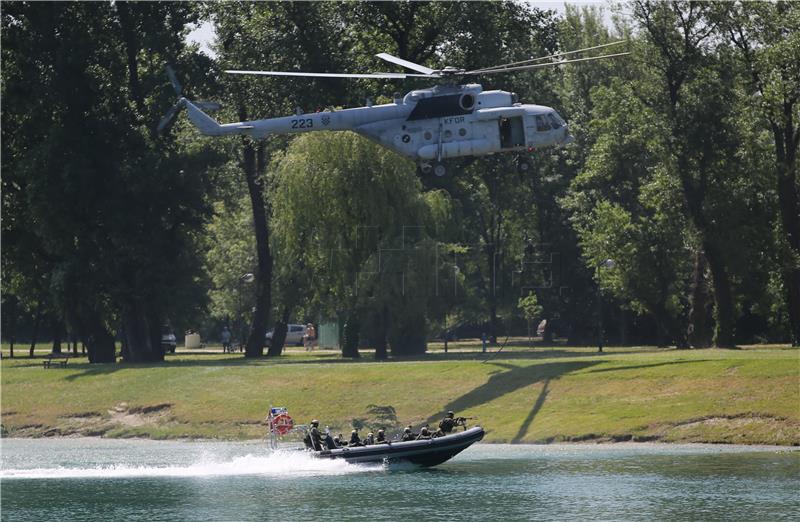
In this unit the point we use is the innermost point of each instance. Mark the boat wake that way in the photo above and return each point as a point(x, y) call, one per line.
point(284, 463)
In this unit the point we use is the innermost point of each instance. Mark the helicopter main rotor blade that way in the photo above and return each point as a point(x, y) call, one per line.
point(405, 63)
point(540, 65)
point(399, 76)
point(548, 57)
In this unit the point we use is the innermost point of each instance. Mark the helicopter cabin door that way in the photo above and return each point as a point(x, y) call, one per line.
point(512, 133)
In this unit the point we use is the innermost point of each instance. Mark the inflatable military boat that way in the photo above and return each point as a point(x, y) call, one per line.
point(426, 452)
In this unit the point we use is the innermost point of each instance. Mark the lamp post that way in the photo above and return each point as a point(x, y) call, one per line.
point(607, 263)
point(244, 278)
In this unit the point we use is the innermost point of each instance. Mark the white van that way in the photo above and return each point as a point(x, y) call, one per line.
point(294, 334)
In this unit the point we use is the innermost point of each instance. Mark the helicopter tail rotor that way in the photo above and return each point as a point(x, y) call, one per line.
point(181, 103)
point(170, 115)
point(173, 79)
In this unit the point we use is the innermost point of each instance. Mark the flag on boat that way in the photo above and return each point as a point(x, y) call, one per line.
point(280, 423)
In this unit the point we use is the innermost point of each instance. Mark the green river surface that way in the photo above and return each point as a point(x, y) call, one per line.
point(121, 480)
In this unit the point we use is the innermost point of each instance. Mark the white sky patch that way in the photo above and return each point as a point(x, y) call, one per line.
point(203, 35)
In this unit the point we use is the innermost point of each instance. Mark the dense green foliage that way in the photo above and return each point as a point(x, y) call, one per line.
point(683, 172)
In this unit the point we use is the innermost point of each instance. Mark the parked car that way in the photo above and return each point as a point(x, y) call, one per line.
point(294, 334)
point(168, 340)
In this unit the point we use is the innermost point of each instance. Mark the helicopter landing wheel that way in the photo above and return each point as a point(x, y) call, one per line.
point(425, 168)
point(524, 165)
point(439, 169)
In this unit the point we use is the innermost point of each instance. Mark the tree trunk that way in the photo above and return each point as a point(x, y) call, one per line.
point(408, 333)
point(662, 318)
point(99, 342)
point(58, 328)
point(279, 334)
point(383, 327)
point(141, 334)
point(698, 331)
point(10, 328)
point(254, 164)
point(36, 322)
point(724, 314)
point(491, 293)
point(790, 222)
point(694, 197)
point(350, 335)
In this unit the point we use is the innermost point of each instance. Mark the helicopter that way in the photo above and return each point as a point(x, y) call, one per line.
point(427, 126)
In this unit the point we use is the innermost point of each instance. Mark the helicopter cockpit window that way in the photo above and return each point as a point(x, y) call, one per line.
point(553, 121)
point(542, 124)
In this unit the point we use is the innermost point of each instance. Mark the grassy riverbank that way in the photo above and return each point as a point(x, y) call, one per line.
point(522, 395)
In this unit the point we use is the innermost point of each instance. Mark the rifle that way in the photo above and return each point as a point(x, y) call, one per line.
point(462, 421)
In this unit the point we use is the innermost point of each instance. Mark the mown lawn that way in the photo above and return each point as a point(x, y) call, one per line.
point(520, 395)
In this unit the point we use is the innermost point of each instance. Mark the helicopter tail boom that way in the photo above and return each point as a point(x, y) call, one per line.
point(208, 125)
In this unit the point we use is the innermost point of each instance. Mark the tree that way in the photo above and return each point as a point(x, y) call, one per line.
point(767, 36)
point(351, 225)
point(691, 99)
point(531, 309)
point(95, 184)
point(274, 36)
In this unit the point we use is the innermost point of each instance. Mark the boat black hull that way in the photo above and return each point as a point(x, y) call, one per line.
point(421, 452)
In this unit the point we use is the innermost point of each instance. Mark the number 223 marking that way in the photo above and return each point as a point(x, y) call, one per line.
point(303, 123)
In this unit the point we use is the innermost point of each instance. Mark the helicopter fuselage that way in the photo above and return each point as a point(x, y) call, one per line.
point(426, 125)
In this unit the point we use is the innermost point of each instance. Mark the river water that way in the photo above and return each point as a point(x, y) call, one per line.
point(119, 480)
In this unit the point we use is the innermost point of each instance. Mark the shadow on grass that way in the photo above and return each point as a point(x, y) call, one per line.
point(514, 354)
point(514, 378)
point(642, 366)
point(87, 369)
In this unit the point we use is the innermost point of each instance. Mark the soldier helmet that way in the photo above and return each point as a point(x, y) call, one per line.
point(450, 414)
point(407, 430)
point(354, 432)
point(380, 430)
point(424, 429)
point(315, 422)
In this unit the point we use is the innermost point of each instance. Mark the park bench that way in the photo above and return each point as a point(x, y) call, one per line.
point(48, 363)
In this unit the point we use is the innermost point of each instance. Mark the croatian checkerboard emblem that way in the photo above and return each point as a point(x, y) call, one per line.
point(326, 120)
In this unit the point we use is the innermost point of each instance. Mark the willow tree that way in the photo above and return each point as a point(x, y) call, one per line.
point(351, 227)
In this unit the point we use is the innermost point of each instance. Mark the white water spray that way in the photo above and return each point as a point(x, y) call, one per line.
point(285, 463)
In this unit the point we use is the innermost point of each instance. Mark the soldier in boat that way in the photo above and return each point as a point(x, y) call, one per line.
point(315, 436)
point(381, 437)
point(424, 434)
point(329, 442)
point(449, 423)
point(408, 434)
point(355, 440)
